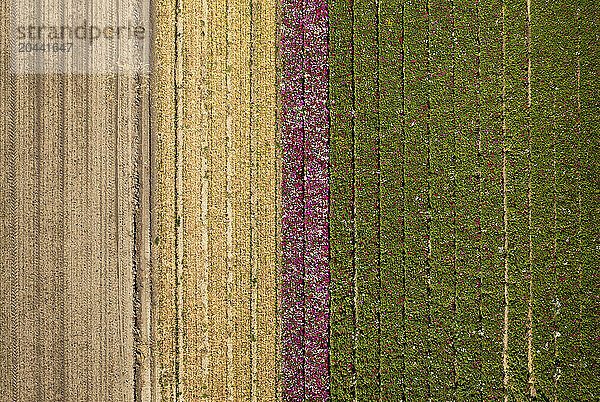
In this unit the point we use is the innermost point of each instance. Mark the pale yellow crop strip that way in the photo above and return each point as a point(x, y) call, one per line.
point(224, 170)
point(217, 212)
point(265, 187)
point(239, 242)
point(163, 202)
point(195, 135)
point(5, 206)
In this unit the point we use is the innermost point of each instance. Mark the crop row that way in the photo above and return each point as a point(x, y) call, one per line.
point(305, 180)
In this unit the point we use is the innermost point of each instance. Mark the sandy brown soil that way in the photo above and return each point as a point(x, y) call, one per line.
point(74, 241)
point(74, 233)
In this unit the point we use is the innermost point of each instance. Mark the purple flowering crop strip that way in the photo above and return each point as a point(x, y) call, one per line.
point(316, 190)
point(292, 132)
point(305, 238)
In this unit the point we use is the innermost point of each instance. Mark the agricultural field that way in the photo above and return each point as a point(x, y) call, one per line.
point(463, 146)
point(74, 268)
point(139, 217)
point(214, 206)
point(375, 200)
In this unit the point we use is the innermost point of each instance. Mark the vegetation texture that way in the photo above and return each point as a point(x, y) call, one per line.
point(308, 200)
point(464, 200)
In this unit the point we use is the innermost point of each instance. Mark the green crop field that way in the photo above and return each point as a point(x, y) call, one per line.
point(464, 199)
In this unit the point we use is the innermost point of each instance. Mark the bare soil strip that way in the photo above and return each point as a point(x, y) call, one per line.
point(51, 219)
point(76, 229)
point(7, 249)
point(25, 282)
point(142, 296)
point(71, 154)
